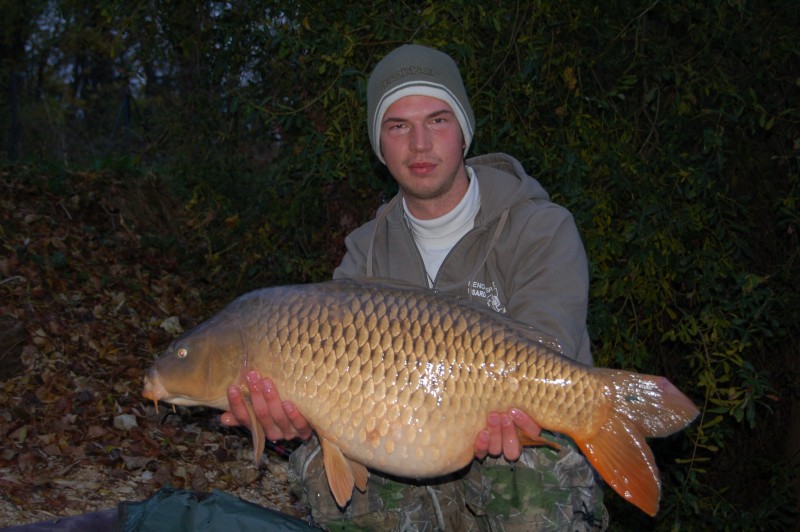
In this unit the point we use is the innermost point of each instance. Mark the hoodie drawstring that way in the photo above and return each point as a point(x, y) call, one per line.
point(495, 237)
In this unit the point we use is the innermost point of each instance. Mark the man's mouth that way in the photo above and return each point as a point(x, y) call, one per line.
point(422, 167)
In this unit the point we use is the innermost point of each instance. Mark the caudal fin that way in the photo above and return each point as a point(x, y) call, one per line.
point(643, 406)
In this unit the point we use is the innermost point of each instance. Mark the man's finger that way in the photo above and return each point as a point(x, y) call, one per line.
point(272, 417)
point(299, 423)
point(482, 445)
point(495, 434)
point(525, 423)
point(511, 448)
point(238, 414)
point(259, 403)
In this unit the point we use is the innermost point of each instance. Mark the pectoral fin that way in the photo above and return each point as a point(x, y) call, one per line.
point(257, 432)
point(343, 474)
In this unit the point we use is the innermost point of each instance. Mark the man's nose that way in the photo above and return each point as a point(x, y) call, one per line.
point(420, 139)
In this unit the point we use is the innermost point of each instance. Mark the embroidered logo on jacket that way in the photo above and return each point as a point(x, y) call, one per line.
point(488, 293)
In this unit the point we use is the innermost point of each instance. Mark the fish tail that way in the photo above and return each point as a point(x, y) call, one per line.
point(641, 406)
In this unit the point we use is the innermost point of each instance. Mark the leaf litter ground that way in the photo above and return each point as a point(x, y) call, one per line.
point(94, 298)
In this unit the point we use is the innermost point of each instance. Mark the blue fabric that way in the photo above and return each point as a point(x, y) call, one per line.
point(177, 511)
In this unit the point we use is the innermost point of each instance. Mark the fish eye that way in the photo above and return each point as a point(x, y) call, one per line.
point(182, 352)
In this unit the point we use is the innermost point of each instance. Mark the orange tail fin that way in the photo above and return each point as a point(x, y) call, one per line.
point(643, 406)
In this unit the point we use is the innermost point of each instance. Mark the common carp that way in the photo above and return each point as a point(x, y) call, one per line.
point(402, 379)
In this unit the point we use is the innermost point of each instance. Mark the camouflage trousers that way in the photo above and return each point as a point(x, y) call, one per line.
point(545, 490)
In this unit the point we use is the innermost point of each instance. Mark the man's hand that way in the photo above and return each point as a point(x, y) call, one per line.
point(500, 435)
point(281, 420)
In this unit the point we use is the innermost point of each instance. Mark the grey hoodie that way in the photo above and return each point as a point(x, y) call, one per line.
point(524, 256)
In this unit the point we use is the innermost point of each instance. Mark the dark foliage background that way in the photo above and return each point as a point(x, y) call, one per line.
point(670, 129)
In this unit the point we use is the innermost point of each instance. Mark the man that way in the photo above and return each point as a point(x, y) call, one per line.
point(484, 230)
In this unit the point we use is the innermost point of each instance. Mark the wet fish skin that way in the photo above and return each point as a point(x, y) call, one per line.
point(401, 380)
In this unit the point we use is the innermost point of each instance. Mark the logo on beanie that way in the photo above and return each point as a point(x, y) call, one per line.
point(407, 71)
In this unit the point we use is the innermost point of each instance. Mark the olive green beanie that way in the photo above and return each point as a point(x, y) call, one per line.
point(414, 70)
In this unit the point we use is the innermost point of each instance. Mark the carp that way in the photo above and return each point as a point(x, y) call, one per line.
point(401, 380)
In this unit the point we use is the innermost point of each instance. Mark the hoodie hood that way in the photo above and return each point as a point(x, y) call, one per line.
point(504, 183)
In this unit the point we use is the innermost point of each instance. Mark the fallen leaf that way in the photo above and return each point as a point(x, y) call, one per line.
point(125, 422)
point(20, 434)
point(172, 325)
point(96, 431)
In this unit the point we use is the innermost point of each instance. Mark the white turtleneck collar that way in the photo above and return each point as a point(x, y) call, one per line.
point(435, 238)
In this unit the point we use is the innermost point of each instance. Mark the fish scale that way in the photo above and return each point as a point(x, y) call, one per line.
point(370, 421)
point(402, 379)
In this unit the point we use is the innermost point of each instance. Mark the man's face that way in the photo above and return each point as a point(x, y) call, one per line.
point(423, 146)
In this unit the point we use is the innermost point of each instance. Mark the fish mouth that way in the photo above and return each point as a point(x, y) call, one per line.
point(153, 389)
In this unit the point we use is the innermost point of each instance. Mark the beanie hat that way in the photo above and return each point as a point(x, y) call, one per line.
point(414, 70)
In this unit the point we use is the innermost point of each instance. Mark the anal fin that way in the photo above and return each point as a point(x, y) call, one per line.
point(360, 475)
point(527, 440)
